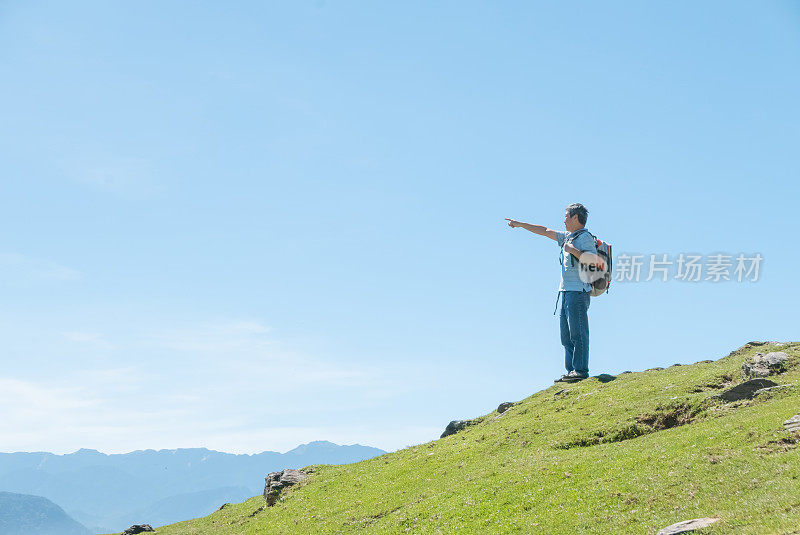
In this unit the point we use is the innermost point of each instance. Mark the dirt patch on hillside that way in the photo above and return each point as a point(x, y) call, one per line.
point(717, 383)
point(662, 417)
point(780, 445)
point(669, 416)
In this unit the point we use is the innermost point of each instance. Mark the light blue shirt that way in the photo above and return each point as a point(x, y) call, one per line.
point(570, 280)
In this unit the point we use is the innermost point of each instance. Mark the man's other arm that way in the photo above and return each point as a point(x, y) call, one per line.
point(574, 251)
point(536, 229)
point(587, 251)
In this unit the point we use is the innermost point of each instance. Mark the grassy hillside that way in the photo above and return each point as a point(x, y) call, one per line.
point(630, 454)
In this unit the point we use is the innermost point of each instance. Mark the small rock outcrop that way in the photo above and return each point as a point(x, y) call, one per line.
point(138, 528)
point(793, 423)
point(770, 389)
point(504, 406)
point(455, 426)
point(275, 482)
point(687, 525)
point(745, 390)
point(762, 365)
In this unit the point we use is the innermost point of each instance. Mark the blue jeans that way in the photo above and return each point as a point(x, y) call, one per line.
point(575, 330)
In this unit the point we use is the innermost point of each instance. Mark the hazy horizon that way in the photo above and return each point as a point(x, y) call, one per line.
point(188, 448)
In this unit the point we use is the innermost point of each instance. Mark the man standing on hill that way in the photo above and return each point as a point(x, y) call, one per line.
point(573, 289)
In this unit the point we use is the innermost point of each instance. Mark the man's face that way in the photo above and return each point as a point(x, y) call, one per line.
point(571, 223)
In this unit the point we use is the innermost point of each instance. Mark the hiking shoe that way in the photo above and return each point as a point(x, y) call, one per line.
point(574, 377)
point(563, 378)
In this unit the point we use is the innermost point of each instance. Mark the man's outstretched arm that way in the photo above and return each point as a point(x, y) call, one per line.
point(536, 229)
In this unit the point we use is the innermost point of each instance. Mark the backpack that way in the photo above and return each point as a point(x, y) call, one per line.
point(601, 285)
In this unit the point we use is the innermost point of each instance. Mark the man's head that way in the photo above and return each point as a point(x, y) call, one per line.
point(575, 217)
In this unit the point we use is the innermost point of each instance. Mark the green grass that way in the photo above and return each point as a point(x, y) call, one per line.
point(630, 455)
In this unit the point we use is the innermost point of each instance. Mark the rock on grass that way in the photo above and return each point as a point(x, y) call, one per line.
point(793, 423)
point(687, 525)
point(765, 365)
point(277, 481)
point(745, 390)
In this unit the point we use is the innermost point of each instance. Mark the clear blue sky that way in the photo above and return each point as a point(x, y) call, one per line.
point(249, 225)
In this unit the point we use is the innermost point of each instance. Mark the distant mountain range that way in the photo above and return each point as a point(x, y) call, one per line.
point(21, 514)
point(108, 493)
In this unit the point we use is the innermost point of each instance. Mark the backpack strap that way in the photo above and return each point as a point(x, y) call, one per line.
point(578, 232)
point(557, 296)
